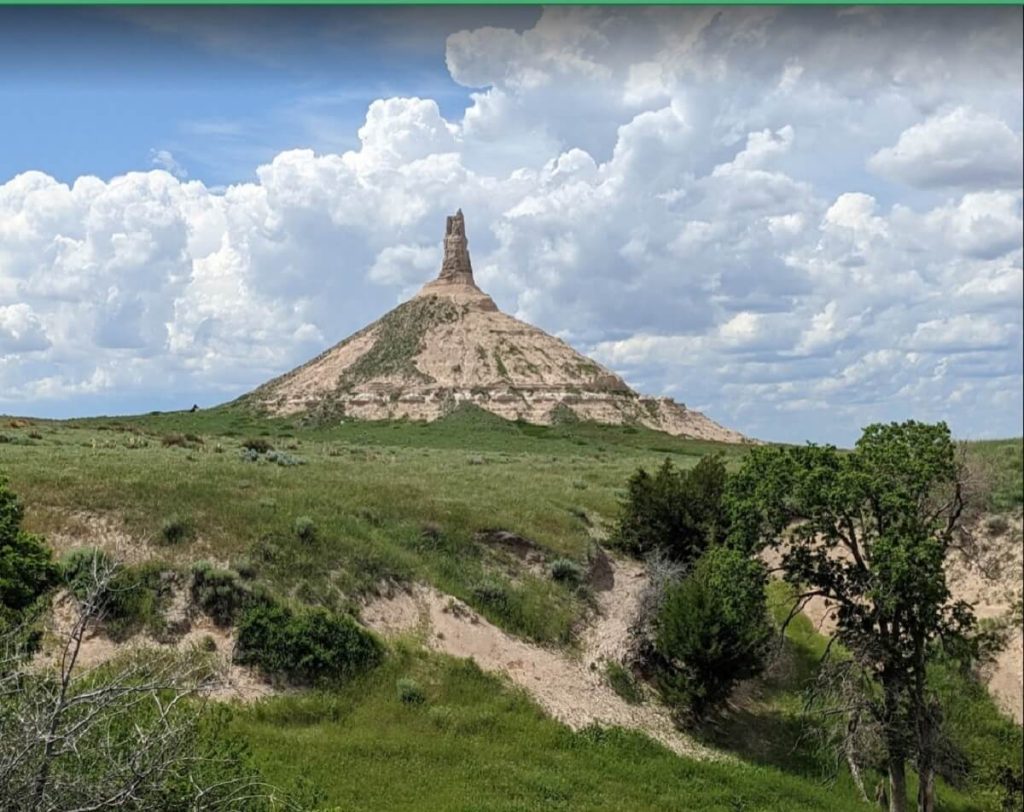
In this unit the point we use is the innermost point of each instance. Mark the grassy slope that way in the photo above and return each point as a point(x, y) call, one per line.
point(371, 488)
point(476, 745)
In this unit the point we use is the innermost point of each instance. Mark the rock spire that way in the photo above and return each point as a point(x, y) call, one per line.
point(456, 266)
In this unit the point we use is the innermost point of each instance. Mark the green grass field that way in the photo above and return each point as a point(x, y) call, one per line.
point(477, 745)
point(406, 501)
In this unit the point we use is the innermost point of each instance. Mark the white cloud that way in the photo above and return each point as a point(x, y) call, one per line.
point(681, 191)
point(164, 159)
point(963, 148)
point(21, 331)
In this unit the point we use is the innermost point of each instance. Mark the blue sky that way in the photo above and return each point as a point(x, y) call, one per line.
point(97, 90)
point(800, 220)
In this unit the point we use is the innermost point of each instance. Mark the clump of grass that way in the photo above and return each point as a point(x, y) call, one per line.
point(566, 571)
point(623, 682)
point(305, 529)
point(996, 525)
point(221, 593)
point(177, 530)
point(257, 445)
point(410, 692)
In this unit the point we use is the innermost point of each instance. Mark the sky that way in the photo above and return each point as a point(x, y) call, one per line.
point(799, 220)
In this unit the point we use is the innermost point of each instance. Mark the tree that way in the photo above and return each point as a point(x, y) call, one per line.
point(713, 628)
point(677, 512)
point(869, 531)
point(27, 569)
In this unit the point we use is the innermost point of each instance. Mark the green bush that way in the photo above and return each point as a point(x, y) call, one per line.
point(27, 569)
point(566, 571)
point(305, 529)
point(623, 682)
point(258, 445)
point(177, 530)
point(678, 512)
point(713, 629)
point(221, 593)
point(311, 645)
point(133, 599)
point(410, 692)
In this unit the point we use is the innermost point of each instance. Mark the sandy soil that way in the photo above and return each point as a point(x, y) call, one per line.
point(572, 691)
point(234, 683)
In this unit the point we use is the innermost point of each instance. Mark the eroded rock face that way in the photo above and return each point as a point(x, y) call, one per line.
point(450, 345)
point(456, 267)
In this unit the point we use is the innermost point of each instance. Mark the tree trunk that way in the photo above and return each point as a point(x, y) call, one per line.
point(926, 791)
point(897, 784)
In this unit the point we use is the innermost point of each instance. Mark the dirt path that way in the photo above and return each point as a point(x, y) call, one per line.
point(572, 691)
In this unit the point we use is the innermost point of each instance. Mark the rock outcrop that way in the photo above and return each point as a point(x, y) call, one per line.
point(450, 344)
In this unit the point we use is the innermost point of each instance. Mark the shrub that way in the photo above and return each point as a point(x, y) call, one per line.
point(410, 692)
point(176, 530)
point(305, 529)
point(623, 682)
point(492, 594)
point(220, 593)
point(282, 458)
point(996, 525)
point(311, 645)
point(257, 444)
point(713, 629)
point(27, 569)
point(679, 512)
point(134, 596)
point(566, 571)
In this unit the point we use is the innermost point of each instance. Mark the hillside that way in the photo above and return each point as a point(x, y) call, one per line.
point(450, 344)
point(413, 521)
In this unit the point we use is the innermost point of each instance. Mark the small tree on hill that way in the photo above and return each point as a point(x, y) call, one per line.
point(713, 628)
point(869, 530)
point(677, 512)
point(27, 569)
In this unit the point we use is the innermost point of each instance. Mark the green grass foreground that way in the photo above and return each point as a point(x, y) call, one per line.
point(474, 744)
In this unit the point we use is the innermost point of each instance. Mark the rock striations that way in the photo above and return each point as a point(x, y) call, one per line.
point(450, 344)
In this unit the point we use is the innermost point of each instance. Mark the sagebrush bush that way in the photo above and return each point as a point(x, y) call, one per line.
point(713, 629)
point(177, 530)
point(305, 529)
point(492, 594)
point(310, 645)
point(257, 444)
point(221, 593)
point(410, 692)
point(566, 571)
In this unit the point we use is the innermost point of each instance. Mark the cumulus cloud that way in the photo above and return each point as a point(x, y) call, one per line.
point(963, 148)
point(685, 193)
